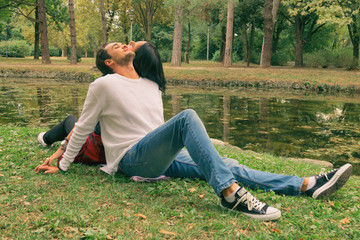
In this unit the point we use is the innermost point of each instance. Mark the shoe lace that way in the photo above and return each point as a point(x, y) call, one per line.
point(250, 201)
point(323, 173)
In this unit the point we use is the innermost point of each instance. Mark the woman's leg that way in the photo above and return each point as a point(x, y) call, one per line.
point(60, 131)
point(184, 167)
point(154, 153)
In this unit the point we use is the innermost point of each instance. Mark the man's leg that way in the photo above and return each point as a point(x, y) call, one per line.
point(184, 167)
point(60, 131)
point(153, 154)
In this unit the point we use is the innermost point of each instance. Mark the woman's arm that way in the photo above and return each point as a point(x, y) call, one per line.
point(57, 155)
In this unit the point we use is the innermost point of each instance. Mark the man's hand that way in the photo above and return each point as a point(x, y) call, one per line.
point(46, 169)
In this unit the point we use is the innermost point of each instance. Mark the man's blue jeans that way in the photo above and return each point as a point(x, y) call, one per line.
point(162, 152)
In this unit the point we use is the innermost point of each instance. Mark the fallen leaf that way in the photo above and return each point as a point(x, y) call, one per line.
point(276, 230)
point(167, 232)
point(181, 216)
point(331, 203)
point(189, 227)
point(1, 175)
point(345, 221)
point(108, 237)
point(27, 203)
point(243, 232)
point(201, 196)
point(192, 190)
point(140, 215)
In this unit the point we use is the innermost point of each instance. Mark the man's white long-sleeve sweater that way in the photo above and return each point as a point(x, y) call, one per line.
point(127, 109)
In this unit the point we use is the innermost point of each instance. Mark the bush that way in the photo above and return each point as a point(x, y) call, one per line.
point(340, 58)
point(216, 57)
point(54, 51)
point(15, 48)
point(79, 54)
point(165, 55)
point(279, 58)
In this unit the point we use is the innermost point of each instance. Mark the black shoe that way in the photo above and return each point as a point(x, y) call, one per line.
point(248, 205)
point(329, 182)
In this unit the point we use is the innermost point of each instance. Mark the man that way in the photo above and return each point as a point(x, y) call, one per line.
point(139, 143)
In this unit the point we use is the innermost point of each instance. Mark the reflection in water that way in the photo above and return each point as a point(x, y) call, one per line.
point(311, 127)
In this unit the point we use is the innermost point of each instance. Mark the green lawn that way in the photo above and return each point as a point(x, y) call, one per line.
point(88, 204)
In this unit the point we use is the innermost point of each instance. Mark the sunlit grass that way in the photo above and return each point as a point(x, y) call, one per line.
point(88, 204)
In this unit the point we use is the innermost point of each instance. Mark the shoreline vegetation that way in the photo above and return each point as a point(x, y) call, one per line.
point(85, 203)
point(201, 73)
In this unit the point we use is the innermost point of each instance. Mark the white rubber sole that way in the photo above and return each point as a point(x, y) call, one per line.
point(268, 217)
point(335, 183)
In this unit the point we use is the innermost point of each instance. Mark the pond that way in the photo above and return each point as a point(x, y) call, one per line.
point(292, 124)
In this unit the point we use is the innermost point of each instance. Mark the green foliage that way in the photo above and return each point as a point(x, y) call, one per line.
point(16, 48)
point(54, 51)
point(325, 58)
point(79, 54)
point(216, 57)
point(165, 55)
point(280, 58)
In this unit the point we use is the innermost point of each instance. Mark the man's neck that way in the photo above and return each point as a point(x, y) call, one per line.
point(127, 71)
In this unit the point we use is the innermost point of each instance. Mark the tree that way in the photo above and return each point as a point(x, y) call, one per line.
point(305, 21)
point(73, 56)
point(351, 10)
point(229, 34)
point(177, 44)
point(145, 11)
point(103, 21)
point(45, 55)
point(270, 11)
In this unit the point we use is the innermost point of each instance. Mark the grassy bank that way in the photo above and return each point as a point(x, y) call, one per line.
point(200, 71)
point(85, 203)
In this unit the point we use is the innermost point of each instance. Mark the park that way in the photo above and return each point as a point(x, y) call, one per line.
point(292, 112)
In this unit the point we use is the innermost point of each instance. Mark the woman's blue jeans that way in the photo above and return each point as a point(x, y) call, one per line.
point(162, 152)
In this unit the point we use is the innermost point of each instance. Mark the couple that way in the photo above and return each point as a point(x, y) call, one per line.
point(137, 142)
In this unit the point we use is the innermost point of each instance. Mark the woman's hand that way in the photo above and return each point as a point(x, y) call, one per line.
point(46, 169)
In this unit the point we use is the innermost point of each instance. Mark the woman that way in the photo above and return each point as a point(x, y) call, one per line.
point(148, 65)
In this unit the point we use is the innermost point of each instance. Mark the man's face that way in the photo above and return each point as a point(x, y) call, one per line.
point(120, 53)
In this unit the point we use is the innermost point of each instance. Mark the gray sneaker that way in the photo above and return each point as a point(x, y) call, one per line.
point(329, 182)
point(248, 205)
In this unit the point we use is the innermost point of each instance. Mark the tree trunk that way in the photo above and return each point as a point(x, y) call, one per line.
point(355, 40)
point(187, 50)
point(244, 36)
point(64, 52)
point(276, 36)
point(73, 57)
point(299, 47)
point(45, 55)
point(223, 40)
point(252, 34)
point(149, 24)
point(229, 34)
point(103, 21)
point(270, 11)
point(37, 34)
point(177, 42)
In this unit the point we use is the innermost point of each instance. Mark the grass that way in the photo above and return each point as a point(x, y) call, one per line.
point(206, 70)
point(85, 203)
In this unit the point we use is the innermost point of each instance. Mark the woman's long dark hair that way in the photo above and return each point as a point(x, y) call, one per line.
point(147, 64)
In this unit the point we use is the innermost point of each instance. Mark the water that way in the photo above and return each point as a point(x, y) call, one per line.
point(295, 124)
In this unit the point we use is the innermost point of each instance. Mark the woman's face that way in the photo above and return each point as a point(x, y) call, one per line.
point(134, 46)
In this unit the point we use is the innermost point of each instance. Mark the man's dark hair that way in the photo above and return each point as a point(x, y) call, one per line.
point(147, 64)
point(101, 56)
